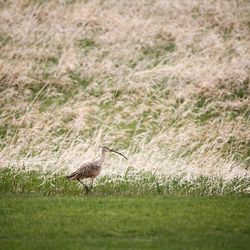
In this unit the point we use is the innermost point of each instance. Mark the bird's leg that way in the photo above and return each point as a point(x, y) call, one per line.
point(86, 187)
point(91, 185)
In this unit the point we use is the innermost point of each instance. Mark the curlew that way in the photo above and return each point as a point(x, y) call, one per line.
point(91, 169)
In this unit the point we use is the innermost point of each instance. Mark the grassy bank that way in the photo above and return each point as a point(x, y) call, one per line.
point(165, 82)
point(150, 222)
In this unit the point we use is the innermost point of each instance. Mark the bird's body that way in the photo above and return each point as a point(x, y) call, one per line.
point(91, 169)
point(87, 170)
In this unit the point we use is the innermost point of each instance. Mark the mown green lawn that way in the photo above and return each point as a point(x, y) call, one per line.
point(115, 222)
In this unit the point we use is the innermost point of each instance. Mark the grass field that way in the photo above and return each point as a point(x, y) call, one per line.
point(164, 82)
point(149, 222)
point(39, 210)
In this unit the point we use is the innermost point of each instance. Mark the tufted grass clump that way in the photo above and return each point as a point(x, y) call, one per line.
point(47, 183)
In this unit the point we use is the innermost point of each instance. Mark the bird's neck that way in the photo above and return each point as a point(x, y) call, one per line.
point(103, 157)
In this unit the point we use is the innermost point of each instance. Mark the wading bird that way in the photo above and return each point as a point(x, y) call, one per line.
point(91, 169)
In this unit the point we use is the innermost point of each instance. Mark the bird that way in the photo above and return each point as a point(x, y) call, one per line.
point(91, 169)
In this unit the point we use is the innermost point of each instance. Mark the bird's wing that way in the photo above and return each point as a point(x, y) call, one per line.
point(85, 170)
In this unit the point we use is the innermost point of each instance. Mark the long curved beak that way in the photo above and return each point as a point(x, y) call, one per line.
point(112, 150)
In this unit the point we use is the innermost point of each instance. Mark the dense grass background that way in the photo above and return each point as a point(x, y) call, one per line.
point(165, 82)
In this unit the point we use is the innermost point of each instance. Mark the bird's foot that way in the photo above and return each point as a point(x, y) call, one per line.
point(87, 190)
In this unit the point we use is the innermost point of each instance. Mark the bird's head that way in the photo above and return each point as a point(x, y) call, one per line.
point(106, 149)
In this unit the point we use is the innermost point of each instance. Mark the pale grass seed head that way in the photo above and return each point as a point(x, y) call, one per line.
point(154, 79)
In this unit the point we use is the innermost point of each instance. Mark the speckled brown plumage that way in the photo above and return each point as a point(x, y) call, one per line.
point(87, 170)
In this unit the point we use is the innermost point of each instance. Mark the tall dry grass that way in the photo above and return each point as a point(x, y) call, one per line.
point(166, 82)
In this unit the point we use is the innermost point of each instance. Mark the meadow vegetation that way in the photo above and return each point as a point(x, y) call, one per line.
point(140, 184)
point(165, 82)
